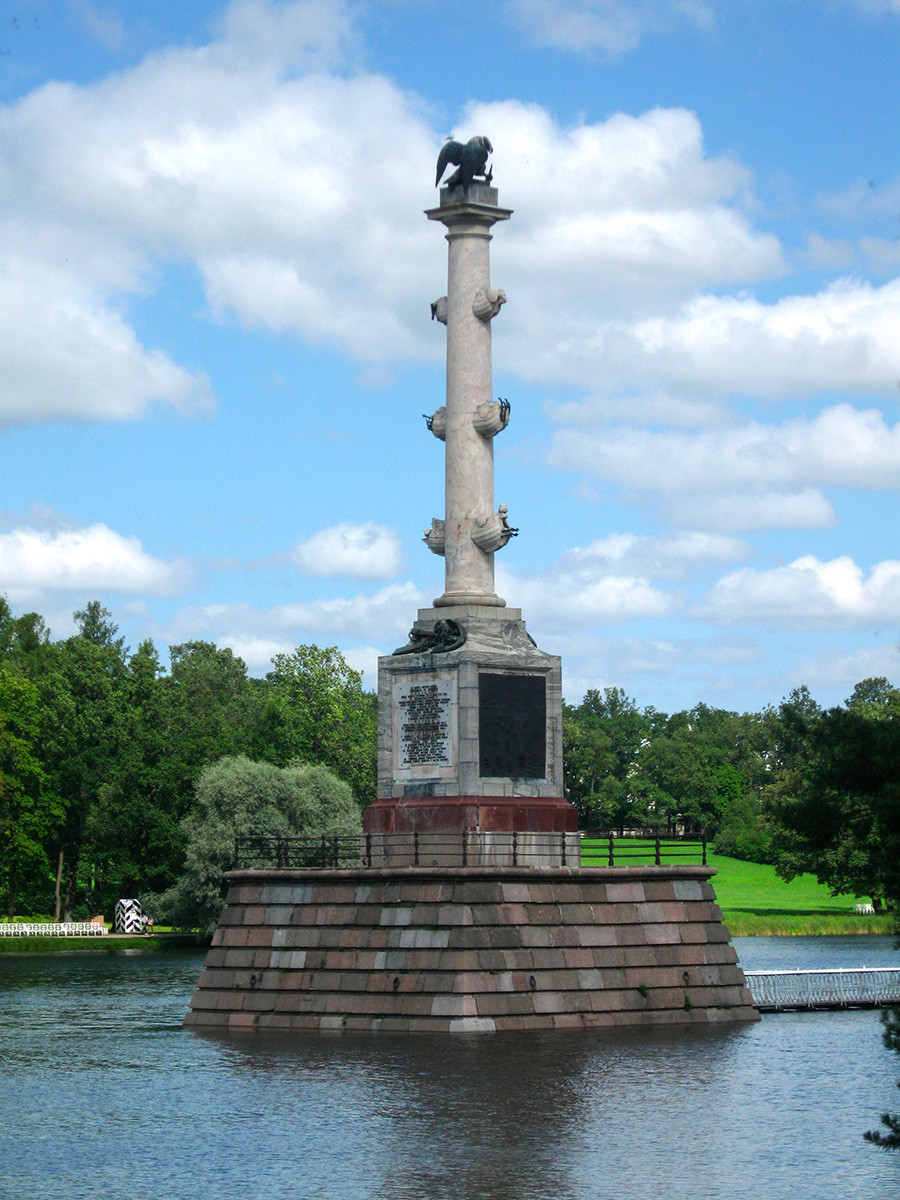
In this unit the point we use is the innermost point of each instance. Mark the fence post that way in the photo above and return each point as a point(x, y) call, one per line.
point(368, 849)
point(416, 848)
point(563, 855)
point(658, 859)
point(324, 850)
point(611, 852)
point(279, 853)
point(515, 848)
point(465, 848)
point(237, 842)
point(704, 849)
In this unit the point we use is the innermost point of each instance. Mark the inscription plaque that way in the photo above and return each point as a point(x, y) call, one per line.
point(512, 726)
point(424, 730)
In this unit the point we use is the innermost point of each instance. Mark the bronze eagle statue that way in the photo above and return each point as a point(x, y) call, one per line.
point(469, 157)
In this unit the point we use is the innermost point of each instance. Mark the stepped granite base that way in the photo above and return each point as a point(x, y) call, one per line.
point(477, 949)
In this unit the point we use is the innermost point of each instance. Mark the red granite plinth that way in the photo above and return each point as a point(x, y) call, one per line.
point(484, 814)
point(477, 949)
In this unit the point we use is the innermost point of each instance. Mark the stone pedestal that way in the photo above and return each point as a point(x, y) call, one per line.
point(470, 951)
point(471, 739)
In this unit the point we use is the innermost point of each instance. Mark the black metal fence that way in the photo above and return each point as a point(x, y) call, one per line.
point(468, 848)
point(640, 847)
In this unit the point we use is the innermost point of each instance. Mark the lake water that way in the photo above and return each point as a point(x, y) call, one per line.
point(104, 1095)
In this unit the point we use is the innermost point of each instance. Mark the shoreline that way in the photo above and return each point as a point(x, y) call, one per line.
point(740, 923)
point(107, 943)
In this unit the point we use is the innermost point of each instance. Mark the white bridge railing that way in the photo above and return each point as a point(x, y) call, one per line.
point(49, 929)
point(843, 987)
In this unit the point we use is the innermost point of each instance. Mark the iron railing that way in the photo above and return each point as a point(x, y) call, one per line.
point(640, 847)
point(842, 987)
point(463, 848)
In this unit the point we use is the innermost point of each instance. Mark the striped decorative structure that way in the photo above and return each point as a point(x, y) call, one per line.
point(128, 916)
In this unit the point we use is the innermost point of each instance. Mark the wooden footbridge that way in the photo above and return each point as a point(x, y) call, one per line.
point(843, 987)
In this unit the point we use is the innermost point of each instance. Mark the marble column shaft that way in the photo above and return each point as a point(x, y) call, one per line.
point(469, 456)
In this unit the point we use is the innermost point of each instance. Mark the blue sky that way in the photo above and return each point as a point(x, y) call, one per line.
point(215, 344)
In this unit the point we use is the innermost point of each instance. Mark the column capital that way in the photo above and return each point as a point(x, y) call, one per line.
point(476, 207)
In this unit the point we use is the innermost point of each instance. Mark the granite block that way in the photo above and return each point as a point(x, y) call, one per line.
point(543, 914)
point(598, 935)
point(575, 957)
point(662, 935)
point(691, 889)
point(453, 1006)
point(619, 893)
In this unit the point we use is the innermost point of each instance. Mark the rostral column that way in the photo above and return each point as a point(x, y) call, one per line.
point(470, 710)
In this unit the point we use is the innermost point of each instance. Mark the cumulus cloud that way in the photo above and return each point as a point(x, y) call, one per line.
point(841, 446)
point(610, 26)
point(672, 556)
point(290, 189)
point(735, 512)
point(613, 579)
point(289, 186)
point(94, 558)
point(69, 356)
point(366, 551)
point(380, 617)
point(839, 339)
point(808, 593)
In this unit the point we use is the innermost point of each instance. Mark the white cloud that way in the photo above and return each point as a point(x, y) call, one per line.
point(108, 30)
point(382, 617)
point(94, 558)
point(841, 339)
point(612, 580)
point(366, 551)
point(297, 195)
point(69, 356)
point(864, 199)
point(840, 447)
point(611, 26)
point(661, 408)
point(308, 34)
point(840, 669)
point(672, 556)
point(291, 190)
point(734, 512)
point(808, 594)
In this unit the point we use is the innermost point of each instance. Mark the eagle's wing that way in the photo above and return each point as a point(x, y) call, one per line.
point(451, 152)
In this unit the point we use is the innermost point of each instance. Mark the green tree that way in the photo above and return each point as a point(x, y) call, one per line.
point(317, 711)
point(29, 811)
point(211, 712)
point(237, 796)
point(133, 837)
point(838, 813)
point(890, 1121)
point(602, 739)
point(83, 700)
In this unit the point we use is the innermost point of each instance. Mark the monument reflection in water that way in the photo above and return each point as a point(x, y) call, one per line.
point(469, 910)
point(105, 1096)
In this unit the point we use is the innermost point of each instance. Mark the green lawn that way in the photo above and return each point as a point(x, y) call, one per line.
point(753, 898)
point(756, 901)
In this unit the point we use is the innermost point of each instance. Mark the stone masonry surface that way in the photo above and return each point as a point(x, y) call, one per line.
point(469, 950)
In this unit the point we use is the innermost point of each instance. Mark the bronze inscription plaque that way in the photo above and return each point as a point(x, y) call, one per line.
point(512, 726)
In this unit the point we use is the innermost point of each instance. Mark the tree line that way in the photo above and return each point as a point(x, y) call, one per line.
point(798, 786)
point(102, 748)
point(112, 780)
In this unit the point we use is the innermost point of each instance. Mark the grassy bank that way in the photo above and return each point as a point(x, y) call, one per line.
point(756, 903)
point(108, 944)
point(754, 900)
